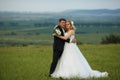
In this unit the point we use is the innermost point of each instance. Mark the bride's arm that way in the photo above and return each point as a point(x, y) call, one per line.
point(69, 33)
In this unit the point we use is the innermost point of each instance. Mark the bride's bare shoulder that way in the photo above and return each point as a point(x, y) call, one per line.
point(71, 31)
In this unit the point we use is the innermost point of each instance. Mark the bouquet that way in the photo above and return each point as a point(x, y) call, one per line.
point(57, 32)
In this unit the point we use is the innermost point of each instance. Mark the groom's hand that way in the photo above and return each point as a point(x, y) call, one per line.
point(74, 40)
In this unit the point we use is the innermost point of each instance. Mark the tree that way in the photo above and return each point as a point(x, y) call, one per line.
point(112, 38)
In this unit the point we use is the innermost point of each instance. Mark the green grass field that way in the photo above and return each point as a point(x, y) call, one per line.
point(33, 62)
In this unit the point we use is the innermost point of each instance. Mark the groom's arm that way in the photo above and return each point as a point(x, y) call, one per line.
point(68, 40)
point(71, 40)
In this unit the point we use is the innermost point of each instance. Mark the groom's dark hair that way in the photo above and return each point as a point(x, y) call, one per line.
point(62, 19)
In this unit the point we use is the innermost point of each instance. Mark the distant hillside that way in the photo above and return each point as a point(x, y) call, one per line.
point(67, 13)
point(96, 11)
point(27, 28)
point(99, 16)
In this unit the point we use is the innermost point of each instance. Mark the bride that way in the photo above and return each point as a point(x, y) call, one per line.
point(72, 63)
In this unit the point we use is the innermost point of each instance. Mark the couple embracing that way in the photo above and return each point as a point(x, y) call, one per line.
point(68, 61)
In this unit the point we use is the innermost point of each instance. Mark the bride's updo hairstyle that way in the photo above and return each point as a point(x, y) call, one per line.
point(72, 24)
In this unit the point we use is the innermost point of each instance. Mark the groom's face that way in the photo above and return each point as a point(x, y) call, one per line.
point(62, 23)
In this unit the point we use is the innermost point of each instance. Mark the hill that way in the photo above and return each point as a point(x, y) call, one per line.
point(79, 16)
point(36, 28)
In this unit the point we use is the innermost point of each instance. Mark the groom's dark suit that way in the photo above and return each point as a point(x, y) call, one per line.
point(58, 47)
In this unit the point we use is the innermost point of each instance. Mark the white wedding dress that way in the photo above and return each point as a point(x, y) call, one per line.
point(73, 64)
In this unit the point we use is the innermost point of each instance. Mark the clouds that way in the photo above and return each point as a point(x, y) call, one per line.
point(56, 5)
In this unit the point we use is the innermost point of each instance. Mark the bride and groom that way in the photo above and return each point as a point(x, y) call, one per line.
point(68, 61)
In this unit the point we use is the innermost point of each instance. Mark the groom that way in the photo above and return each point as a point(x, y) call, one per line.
point(58, 45)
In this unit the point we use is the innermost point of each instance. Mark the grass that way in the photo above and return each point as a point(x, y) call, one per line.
point(33, 62)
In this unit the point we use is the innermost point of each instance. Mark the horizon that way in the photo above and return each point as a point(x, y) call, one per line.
point(56, 12)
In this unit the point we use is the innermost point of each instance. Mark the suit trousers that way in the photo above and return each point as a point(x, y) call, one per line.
point(56, 56)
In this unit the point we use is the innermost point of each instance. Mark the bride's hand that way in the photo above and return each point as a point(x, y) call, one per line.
point(74, 40)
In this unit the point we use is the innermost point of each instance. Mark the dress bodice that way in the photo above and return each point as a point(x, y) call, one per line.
point(72, 37)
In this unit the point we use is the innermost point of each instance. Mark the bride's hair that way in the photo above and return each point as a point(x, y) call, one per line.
point(72, 24)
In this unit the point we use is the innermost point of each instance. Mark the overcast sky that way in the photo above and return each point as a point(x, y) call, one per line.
point(56, 5)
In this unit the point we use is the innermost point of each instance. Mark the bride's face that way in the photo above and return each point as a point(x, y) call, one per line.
point(68, 25)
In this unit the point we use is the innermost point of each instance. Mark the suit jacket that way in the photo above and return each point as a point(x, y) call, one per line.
point(59, 43)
